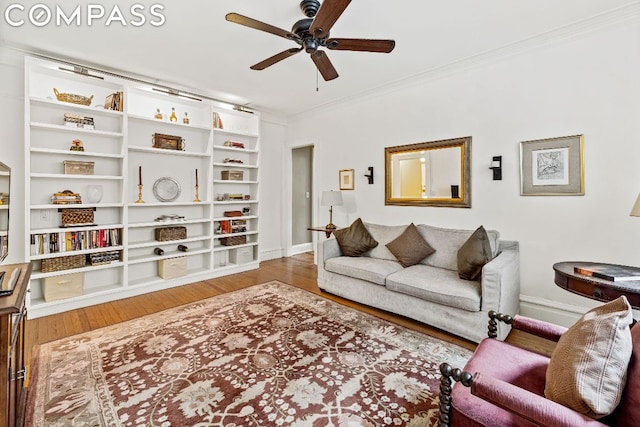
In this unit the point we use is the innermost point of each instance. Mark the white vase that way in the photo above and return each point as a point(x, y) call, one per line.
point(94, 193)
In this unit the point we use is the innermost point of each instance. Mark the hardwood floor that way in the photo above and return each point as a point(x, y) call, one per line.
point(298, 270)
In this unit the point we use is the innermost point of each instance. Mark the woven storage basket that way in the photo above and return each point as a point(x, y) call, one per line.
point(77, 216)
point(233, 240)
point(170, 233)
point(63, 263)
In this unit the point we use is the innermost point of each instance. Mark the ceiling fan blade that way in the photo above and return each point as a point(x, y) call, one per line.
point(362, 45)
point(275, 58)
point(327, 15)
point(324, 65)
point(258, 25)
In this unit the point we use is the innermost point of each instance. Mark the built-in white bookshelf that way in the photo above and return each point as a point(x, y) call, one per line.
point(121, 148)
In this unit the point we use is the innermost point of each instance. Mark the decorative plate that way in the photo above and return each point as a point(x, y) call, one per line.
point(166, 189)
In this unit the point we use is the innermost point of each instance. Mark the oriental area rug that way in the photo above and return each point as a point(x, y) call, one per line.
point(268, 355)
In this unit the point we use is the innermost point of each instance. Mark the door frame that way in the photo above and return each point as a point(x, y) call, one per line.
point(288, 199)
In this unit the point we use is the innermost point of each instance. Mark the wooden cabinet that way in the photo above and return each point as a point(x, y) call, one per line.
point(12, 364)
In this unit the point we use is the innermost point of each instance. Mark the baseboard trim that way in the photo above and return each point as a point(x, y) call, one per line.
point(550, 311)
point(271, 254)
point(300, 249)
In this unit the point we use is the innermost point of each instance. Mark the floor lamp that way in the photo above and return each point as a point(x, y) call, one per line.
point(331, 199)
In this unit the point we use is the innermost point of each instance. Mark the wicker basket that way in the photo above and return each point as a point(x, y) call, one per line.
point(78, 216)
point(170, 233)
point(72, 98)
point(63, 263)
point(233, 240)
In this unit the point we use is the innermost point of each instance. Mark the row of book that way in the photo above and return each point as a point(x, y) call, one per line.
point(66, 241)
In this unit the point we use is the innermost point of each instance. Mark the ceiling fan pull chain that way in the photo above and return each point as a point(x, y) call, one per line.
point(317, 80)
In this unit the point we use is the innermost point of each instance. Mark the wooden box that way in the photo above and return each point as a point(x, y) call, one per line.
point(171, 268)
point(169, 142)
point(73, 167)
point(65, 286)
point(232, 175)
point(241, 255)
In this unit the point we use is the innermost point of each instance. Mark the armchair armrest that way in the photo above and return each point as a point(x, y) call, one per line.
point(527, 405)
point(520, 402)
point(529, 325)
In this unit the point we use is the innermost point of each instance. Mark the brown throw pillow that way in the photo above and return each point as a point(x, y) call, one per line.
point(588, 368)
point(410, 248)
point(474, 254)
point(355, 239)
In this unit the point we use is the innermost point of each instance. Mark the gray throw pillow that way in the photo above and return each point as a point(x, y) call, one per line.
point(355, 239)
point(474, 254)
point(410, 247)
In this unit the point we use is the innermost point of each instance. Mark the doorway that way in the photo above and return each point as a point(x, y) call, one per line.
point(301, 199)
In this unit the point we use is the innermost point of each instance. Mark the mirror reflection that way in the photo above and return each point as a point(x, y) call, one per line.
point(432, 173)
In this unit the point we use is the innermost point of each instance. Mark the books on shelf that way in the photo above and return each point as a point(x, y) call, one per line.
point(114, 101)
point(66, 241)
point(614, 273)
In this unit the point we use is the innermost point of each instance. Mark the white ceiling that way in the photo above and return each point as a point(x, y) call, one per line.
point(197, 48)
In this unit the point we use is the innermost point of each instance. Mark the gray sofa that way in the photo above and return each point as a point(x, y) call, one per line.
point(430, 291)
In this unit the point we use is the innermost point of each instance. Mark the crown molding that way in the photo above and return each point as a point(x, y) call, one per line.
point(613, 18)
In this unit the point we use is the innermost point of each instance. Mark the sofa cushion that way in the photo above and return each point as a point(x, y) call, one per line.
point(410, 247)
point(355, 239)
point(628, 411)
point(437, 285)
point(588, 367)
point(473, 255)
point(446, 242)
point(383, 234)
point(364, 268)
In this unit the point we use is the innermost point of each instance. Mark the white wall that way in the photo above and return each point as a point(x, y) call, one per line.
point(583, 84)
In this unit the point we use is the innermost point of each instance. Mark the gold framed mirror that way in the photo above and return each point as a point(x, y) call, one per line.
point(436, 173)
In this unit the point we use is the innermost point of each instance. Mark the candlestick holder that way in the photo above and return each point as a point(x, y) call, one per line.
point(139, 194)
point(197, 199)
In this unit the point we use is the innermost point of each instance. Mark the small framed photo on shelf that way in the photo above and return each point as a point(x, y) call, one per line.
point(552, 167)
point(346, 179)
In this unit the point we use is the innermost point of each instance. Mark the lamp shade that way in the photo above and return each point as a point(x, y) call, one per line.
point(331, 198)
point(635, 211)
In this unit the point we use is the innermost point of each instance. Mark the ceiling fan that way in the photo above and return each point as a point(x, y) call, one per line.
point(312, 33)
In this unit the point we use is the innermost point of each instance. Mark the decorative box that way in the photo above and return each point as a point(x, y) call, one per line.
point(66, 197)
point(65, 286)
point(74, 217)
point(73, 167)
point(241, 255)
point(232, 175)
point(76, 121)
point(63, 263)
point(99, 258)
point(171, 268)
point(169, 142)
point(234, 240)
point(164, 234)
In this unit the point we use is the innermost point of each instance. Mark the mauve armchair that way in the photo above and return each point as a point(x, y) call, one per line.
point(503, 385)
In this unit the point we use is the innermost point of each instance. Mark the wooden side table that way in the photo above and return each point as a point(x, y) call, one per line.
point(594, 287)
point(326, 230)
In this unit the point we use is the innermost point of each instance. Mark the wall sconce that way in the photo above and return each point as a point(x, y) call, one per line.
point(370, 174)
point(496, 167)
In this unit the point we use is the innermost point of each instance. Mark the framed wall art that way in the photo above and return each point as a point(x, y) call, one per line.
point(346, 179)
point(552, 167)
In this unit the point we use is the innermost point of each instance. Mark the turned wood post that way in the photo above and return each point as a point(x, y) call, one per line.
point(446, 387)
point(493, 325)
